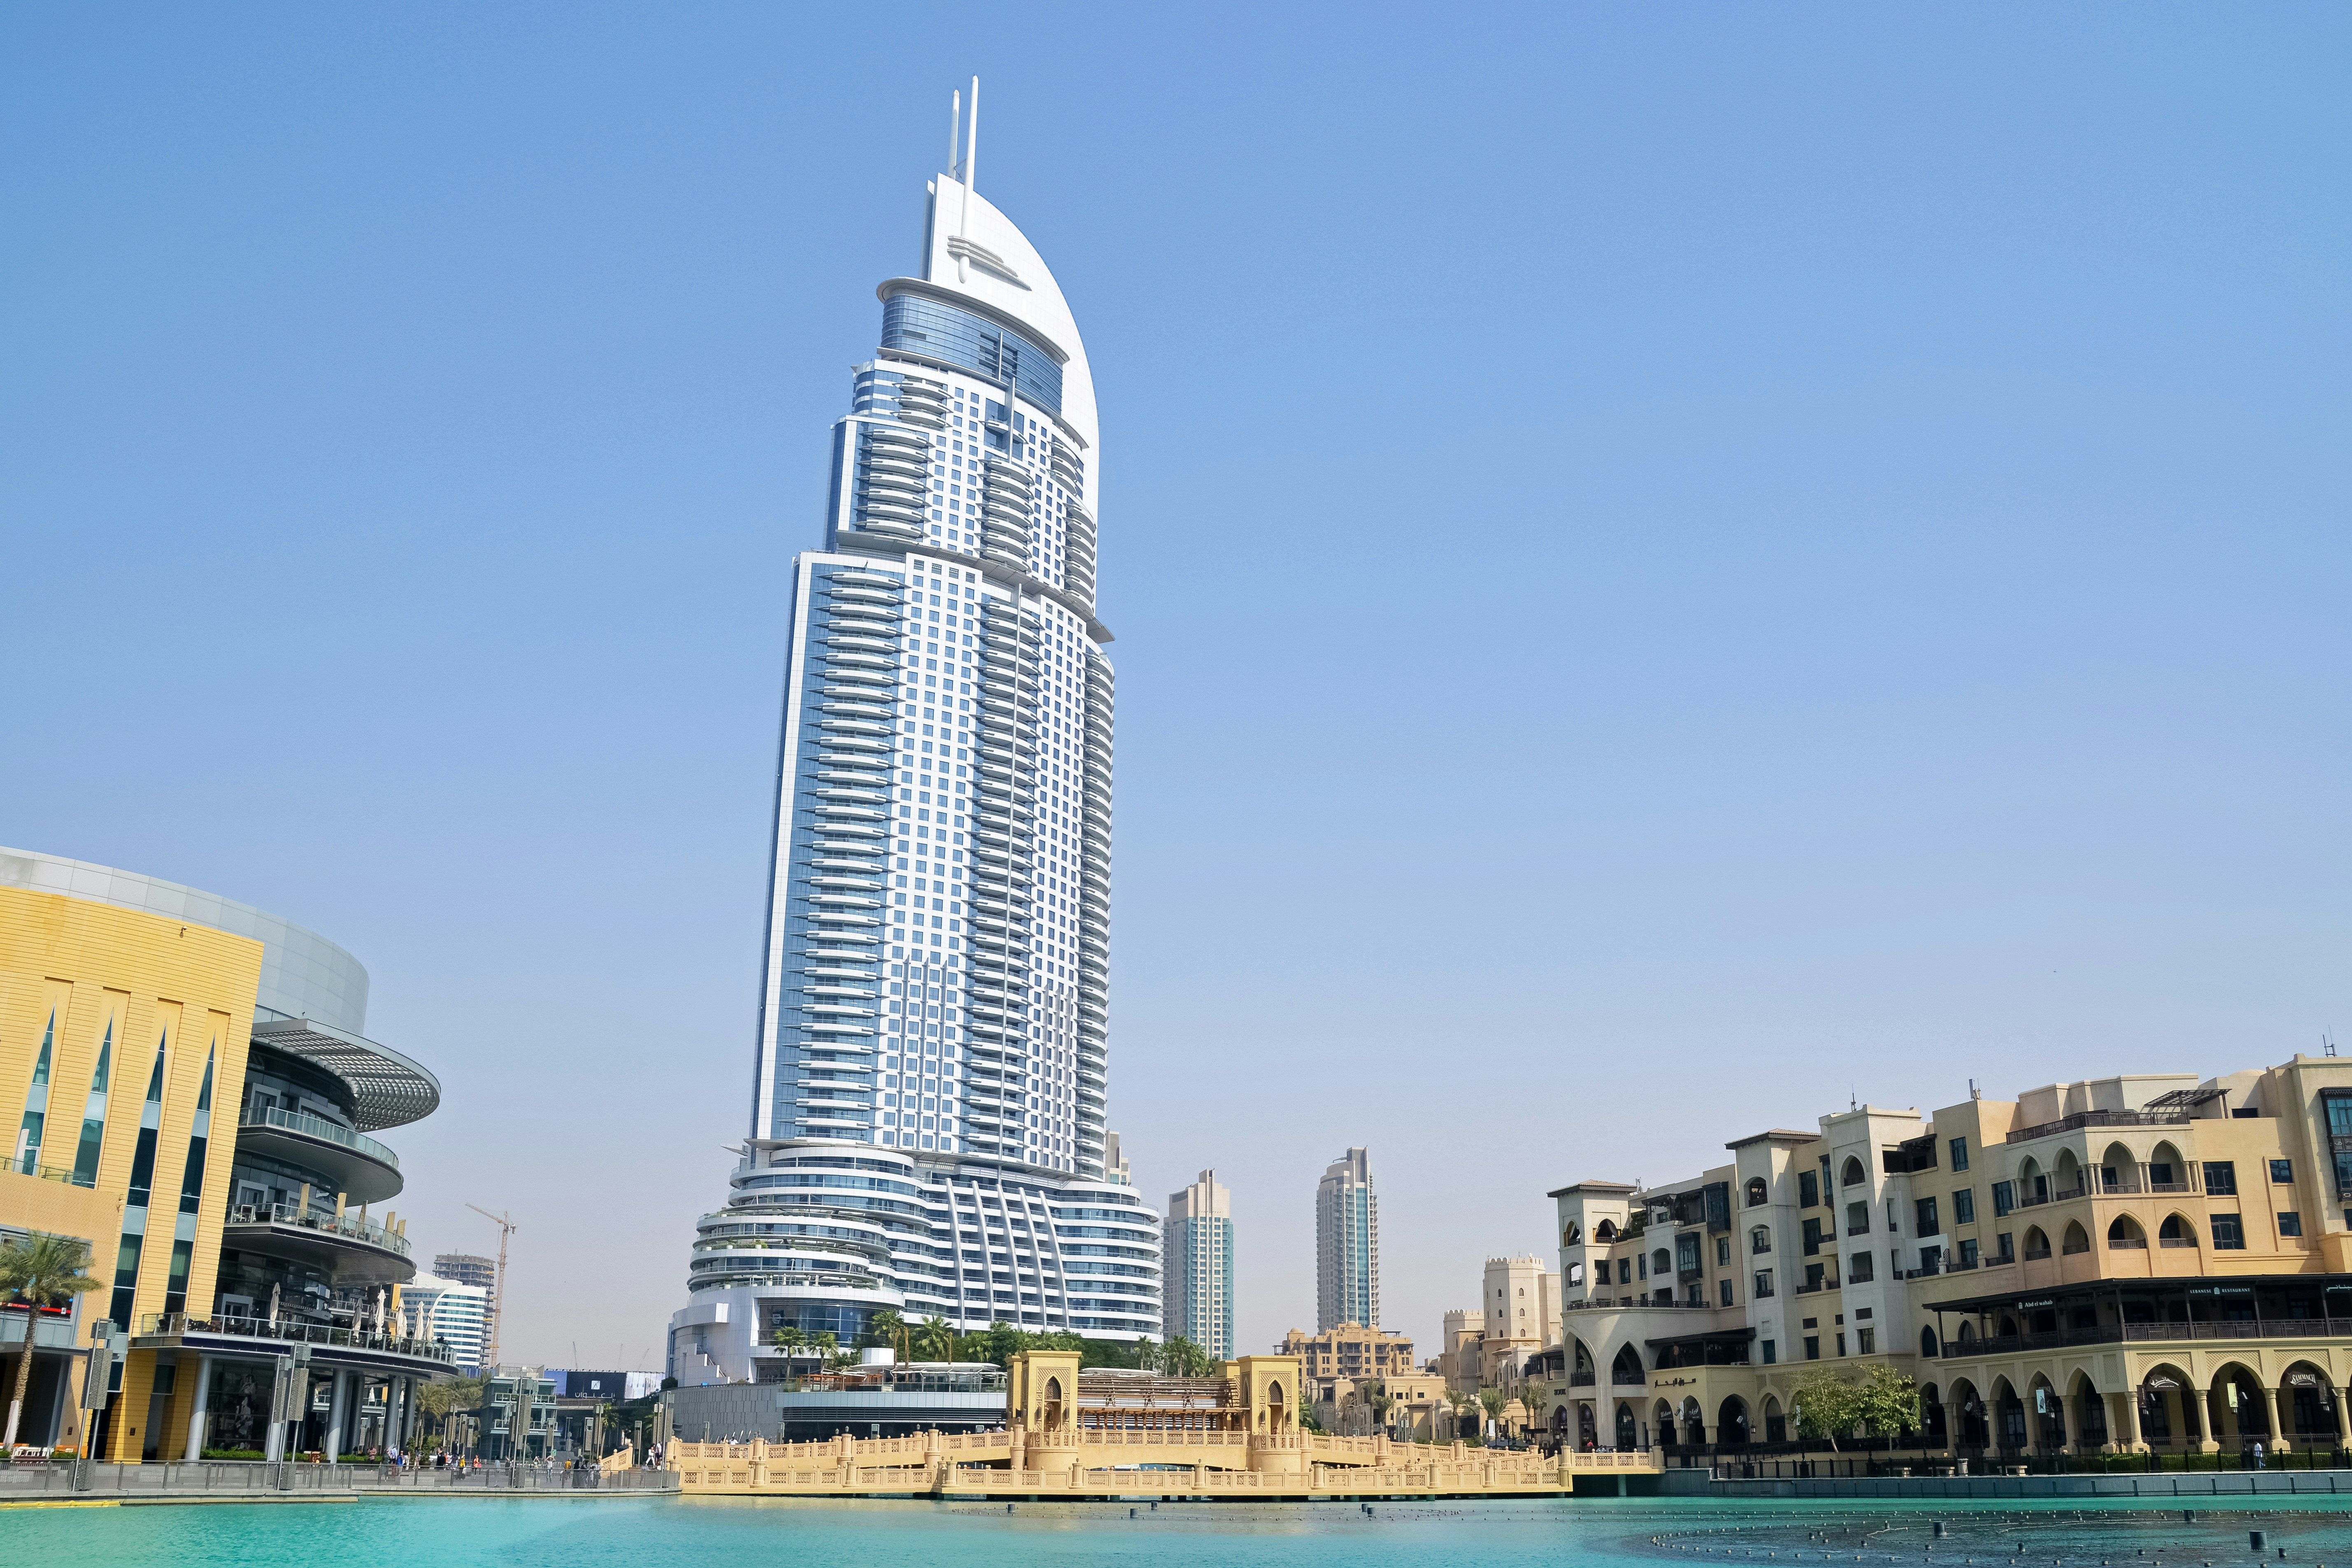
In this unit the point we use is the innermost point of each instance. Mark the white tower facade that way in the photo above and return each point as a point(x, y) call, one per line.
point(934, 1006)
point(1347, 1244)
point(1197, 1268)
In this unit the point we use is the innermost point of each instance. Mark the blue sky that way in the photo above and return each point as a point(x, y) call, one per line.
point(1671, 565)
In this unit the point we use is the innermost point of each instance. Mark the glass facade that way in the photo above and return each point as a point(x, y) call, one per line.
point(973, 342)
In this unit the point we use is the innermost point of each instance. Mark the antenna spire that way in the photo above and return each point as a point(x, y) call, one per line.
point(970, 169)
point(955, 134)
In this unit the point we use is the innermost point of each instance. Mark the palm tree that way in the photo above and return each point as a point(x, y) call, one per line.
point(1458, 1401)
point(887, 1327)
point(40, 1272)
point(1375, 1393)
point(935, 1341)
point(1492, 1401)
point(789, 1339)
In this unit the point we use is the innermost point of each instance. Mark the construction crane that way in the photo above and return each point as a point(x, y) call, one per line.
point(497, 1297)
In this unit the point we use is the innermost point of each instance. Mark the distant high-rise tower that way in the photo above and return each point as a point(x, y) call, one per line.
point(1196, 1272)
point(1347, 1245)
point(467, 1269)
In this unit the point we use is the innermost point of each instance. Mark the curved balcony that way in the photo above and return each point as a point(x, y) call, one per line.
point(889, 528)
point(355, 1164)
point(387, 1089)
point(882, 438)
point(352, 1251)
point(880, 598)
point(858, 577)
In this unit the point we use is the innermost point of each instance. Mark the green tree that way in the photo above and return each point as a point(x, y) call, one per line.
point(1180, 1357)
point(41, 1271)
point(446, 1396)
point(788, 1339)
point(1376, 1396)
point(1001, 1342)
point(935, 1341)
point(1887, 1402)
point(885, 1327)
point(1492, 1400)
point(1828, 1403)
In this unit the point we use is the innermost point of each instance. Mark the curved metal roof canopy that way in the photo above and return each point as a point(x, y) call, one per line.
point(387, 1088)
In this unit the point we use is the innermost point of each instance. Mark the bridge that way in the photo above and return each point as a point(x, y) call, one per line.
point(1072, 1435)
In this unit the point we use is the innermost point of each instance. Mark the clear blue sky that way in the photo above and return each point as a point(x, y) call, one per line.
point(1671, 564)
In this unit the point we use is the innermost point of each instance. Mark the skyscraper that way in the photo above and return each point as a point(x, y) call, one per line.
point(1197, 1267)
point(1347, 1245)
point(934, 1003)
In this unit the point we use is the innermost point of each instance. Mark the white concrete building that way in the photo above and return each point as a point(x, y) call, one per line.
point(933, 1040)
point(1197, 1268)
point(436, 1309)
point(1347, 1244)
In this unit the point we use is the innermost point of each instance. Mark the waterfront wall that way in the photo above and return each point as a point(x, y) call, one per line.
point(2155, 1487)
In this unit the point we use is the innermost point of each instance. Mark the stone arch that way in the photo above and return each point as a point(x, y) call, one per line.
point(1970, 1420)
point(1571, 1235)
point(1967, 1334)
point(2307, 1401)
point(2037, 1243)
point(1731, 1423)
point(1661, 1423)
point(1853, 1173)
point(1281, 1414)
point(1628, 1426)
point(2167, 1405)
point(1694, 1422)
point(1760, 1240)
point(1928, 1341)
point(2005, 1412)
point(2167, 1170)
point(2032, 1180)
point(1605, 1232)
point(1760, 1192)
point(2089, 1409)
point(1776, 1420)
point(1054, 1402)
point(2235, 1404)
point(2124, 1234)
point(1662, 1263)
point(2067, 1175)
point(1931, 1415)
point(1627, 1367)
point(2118, 1170)
point(2177, 1230)
point(2045, 1423)
point(2077, 1239)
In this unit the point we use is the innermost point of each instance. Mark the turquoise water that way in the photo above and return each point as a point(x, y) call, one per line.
point(722, 1533)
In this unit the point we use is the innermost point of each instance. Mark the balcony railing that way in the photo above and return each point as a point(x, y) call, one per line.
point(2053, 1195)
point(2101, 1119)
point(288, 1329)
point(2118, 1333)
point(319, 1127)
point(323, 1221)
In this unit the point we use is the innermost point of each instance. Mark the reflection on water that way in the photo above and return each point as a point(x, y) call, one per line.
point(561, 1532)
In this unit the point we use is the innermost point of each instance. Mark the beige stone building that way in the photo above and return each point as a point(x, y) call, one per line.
point(2135, 1261)
point(1349, 1351)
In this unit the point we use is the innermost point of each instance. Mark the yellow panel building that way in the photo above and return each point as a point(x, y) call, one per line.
point(190, 1098)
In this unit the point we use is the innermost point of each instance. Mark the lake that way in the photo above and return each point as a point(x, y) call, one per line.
point(725, 1533)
